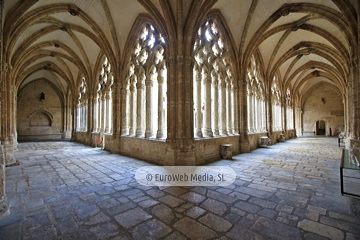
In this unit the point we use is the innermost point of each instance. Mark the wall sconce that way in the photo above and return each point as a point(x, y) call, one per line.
point(323, 100)
point(42, 96)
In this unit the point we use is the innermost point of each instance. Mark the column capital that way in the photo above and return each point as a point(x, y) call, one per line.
point(149, 82)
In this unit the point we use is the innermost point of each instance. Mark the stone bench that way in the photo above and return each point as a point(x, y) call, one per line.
point(226, 151)
point(264, 142)
point(281, 138)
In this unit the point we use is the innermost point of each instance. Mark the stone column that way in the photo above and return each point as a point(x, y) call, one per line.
point(132, 121)
point(86, 117)
point(107, 113)
point(256, 113)
point(4, 209)
point(149, 125)
point(232, 119)
point(140, 106)
point(103, 112)
point(161, 115)
point(207, 123)
point(197, 99)
point(243, 116)
point(236, 106)
point(99, 113)
point(229, 109)
point(78, 116)
point(126, 106)
point(250, 112)
point(95, 115)
point(215, 84)
point(90, 112)
point(223, 108)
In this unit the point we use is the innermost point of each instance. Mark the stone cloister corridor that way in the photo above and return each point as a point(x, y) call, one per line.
point(66, 190)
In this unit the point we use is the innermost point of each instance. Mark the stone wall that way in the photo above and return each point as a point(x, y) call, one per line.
point(324, 104)
point(36, 118)
point(4, 210)
point(208, 150)
point(254, 140)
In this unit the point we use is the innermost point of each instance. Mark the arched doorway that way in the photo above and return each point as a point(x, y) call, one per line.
point(320, 127)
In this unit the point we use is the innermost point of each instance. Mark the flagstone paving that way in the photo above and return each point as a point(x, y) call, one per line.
point(65, 190)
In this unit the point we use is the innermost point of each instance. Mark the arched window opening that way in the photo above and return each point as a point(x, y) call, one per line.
point(146, 87)
point(289, 111)
point(82, 108)
point(256, 111)
point(276, 106)
point(214, 87)
point(103, 100)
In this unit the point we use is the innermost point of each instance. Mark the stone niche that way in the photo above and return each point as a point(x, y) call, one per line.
point(325, 106)
point(39, 112)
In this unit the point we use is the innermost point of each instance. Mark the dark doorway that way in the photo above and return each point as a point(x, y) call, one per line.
point(320, 127)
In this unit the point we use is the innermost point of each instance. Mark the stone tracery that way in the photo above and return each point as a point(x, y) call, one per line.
point(215, 105)
point(256, 110)
point(146, 86)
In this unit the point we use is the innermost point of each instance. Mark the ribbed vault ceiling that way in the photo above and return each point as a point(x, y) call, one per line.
point(304, 42)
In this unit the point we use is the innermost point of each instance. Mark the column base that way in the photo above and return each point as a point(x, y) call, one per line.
point(139, 133)
point(149, 133)
point(199, 133)
point(66, 135)
point(223, 132)
point(9, 154)
point(208, 132)
point(160, 134)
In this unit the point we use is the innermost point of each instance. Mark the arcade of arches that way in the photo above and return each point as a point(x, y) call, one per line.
point(170, 81)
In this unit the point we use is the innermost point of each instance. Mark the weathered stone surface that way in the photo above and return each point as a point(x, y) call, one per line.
point(171, 201)
point(214, 206)
point(214, 222)
point(316, 209)
point(148, 203)
point(193, 229)
point(193, 197)
point(176, 191)
point(231, 217)
point(289, 199)
point(220, 197)
point(262, 187)
point(350, 227)
point(132, 217)
point(320, 229)
point(302, 213)
point(267, 213)
point(275, 230)
point(54, 200)
point(108, 203)
point(152, 229)
point(247, 207)
point(254, 192)
point(344, 217)
point(163, 212)
point(239, 232)
point(175, 236)
point(262, 203)
point(105, 230)
point(97, 219)
point(121, 208)
point(195, 212)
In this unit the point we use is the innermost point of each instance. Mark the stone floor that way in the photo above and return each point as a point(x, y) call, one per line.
point(65, 190)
